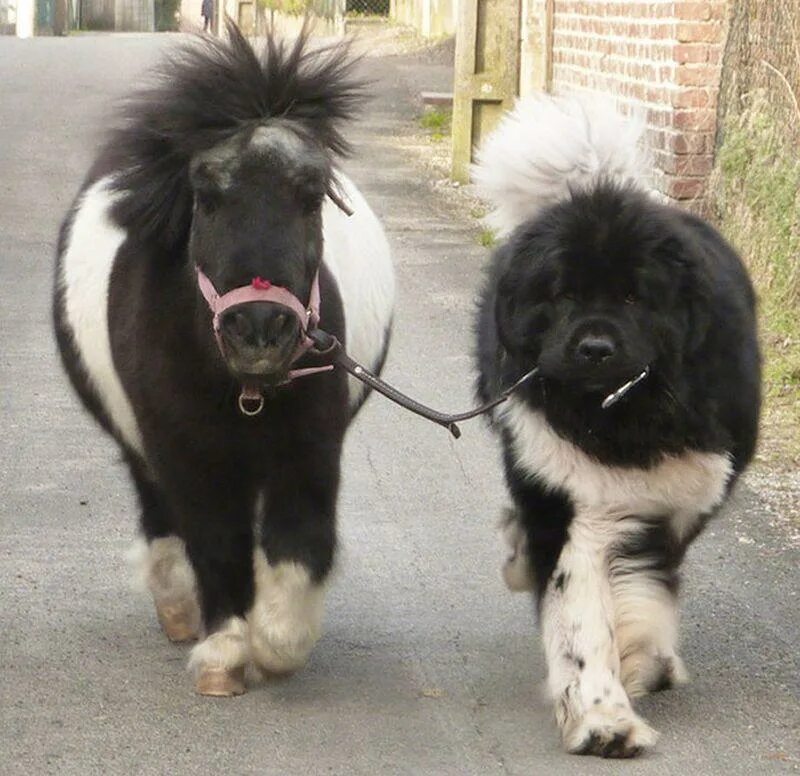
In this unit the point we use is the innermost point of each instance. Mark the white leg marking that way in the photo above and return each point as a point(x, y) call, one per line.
point(286, 618)
point(593, 711)
point(86, 267)
point(169, 576)
point(357, 254)
point(224, 650)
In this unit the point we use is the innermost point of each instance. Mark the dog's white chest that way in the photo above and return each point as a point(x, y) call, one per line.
point(690, 483)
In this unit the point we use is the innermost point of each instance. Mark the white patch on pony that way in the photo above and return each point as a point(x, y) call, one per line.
point(547, 147)
point(282, 140)
point(286, 618)
point(357, 254)
point(172, 582)
point(86, 267)
point(225, 649)
point(137, 557)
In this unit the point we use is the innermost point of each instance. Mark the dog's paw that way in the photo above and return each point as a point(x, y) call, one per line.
point(609, 732)
point(644, 673)
point(516, 568)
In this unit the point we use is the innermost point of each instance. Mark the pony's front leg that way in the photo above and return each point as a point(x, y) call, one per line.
point(293, 560)
point(216, 522)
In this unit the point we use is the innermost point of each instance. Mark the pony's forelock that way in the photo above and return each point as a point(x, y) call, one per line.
point(207, 91)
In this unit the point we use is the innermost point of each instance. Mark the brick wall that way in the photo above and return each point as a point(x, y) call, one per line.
point(661, 58)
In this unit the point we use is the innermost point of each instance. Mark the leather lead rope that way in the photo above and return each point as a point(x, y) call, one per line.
point(327, 344)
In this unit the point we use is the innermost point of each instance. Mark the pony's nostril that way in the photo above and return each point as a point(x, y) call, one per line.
point(260, 325)
point(276, 328)
point(238, 324)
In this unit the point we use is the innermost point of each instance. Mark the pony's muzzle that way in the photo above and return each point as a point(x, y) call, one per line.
point(260, 338)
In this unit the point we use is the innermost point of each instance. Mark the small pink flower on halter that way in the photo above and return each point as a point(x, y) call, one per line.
point(261, 284)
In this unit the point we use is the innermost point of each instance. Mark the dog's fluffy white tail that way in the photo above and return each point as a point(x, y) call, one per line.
point(547, 147)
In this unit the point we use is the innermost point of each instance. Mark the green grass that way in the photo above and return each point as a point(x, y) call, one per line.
point(487, 238)
point(438, 122)
point(755, 194)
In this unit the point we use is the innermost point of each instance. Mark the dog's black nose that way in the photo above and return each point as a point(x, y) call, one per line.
point(260, 325)
point(596, 348)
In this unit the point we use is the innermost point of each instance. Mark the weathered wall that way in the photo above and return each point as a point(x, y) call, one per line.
point(97, 14)
point(431, 18)
point(119, 15)
point(660, 58)
point(8, 17)
point(134, 16)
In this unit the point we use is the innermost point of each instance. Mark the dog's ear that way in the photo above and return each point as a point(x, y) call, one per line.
point(687, 259)
point(506, 312)
point(522, 306)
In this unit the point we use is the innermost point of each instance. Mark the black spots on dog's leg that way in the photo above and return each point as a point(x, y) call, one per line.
point(571, 657)
point(560, 581)
point(597, 701)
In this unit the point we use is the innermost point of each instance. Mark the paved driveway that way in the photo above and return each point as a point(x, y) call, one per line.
point(427, 666)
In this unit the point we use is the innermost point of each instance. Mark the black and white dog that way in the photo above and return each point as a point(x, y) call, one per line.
point(644, 412)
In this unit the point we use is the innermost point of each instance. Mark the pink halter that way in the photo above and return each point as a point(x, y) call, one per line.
point(263, 291)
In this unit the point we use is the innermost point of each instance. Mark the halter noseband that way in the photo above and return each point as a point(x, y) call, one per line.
point(251, 401)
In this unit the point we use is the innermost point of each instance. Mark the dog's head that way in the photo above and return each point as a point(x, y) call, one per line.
point(600, 287)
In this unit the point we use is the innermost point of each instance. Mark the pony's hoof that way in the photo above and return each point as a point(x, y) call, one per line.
point(178, 623)
point(220, 682)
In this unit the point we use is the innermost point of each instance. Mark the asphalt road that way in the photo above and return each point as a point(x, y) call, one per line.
point(427, 665)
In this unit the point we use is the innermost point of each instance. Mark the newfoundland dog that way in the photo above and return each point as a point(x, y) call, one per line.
point(643, 412)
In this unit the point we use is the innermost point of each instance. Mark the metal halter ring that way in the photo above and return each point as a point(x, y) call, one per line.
point(243, 400)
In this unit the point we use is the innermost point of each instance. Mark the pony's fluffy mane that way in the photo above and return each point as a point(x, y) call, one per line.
point(203, 94)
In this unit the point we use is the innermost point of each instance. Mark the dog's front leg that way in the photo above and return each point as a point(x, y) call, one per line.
point(592, 708)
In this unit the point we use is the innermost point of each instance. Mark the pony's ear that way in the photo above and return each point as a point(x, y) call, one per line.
point(338, 197)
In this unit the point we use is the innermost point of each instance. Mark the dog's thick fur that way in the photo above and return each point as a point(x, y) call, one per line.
point(597, 282)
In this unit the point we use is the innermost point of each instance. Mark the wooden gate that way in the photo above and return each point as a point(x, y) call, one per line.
point(486, 73)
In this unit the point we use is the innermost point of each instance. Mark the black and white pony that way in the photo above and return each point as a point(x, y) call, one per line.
point(224, 168)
